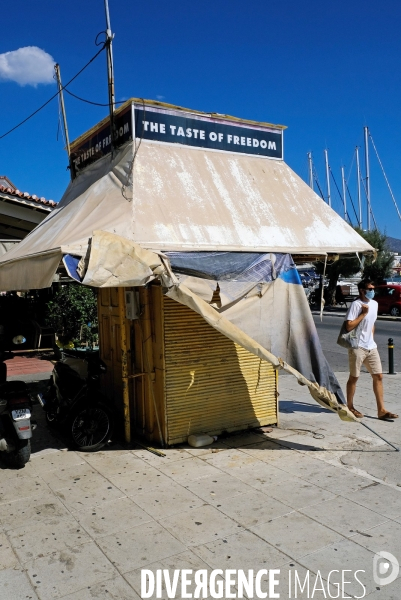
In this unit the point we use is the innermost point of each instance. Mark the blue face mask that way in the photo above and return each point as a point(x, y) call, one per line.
point(370, 294)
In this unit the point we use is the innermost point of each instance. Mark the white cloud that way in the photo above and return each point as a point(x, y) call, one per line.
point(160, 97)
point(27, 66)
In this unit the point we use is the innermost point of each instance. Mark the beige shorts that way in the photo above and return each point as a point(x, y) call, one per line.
point(369, 358)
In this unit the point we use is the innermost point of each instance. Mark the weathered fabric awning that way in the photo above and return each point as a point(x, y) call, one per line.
point(176, 198)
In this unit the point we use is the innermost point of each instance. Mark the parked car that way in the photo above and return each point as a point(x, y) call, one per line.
point(388, 298)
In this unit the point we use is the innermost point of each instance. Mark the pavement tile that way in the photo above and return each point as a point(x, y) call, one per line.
point(231, 459)
point(52, 461)
point(390, 592)
point(112, 589)
point(41, 538)
point(382, 499)
point(8, 559)
point(15, 585)
point(216, 488)
point(139, 546)
point(68, 571)
point(343, 516)
point(172, 455)
point(252, 508)
point(337, 480)
point(188, 470)
point(298, 493)
point(164, 501)
point(344, 555)
point(260, 475)
point(144, 478)
point(111, 517)
point(296, 534)
point(91, 491)
point(243, 550)
point(64, 477)
point(186, 560)
point(36, 508)
point(22, 487)
point(200, 525)
point(116, 462)
point(386, 536)
point(243, 439)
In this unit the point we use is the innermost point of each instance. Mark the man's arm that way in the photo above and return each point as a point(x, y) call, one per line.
point(350, 325)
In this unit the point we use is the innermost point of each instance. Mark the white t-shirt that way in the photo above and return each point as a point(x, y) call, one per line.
point(366, 340)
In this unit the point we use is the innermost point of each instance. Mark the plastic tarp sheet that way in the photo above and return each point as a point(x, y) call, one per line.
point(265, 300)
point(168, 197)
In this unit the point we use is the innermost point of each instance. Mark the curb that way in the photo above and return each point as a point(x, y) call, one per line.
point(342, 315)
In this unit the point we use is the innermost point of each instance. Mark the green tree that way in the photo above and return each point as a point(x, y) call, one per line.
point(376, 269)
point(73, 313)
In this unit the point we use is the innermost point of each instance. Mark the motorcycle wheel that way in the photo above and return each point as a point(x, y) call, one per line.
point(20, 456)
point(91, 428)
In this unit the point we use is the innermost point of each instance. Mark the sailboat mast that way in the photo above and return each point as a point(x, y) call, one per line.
point(310, 169)
point(344, 194)
point(358, 175)
point(367, 172)
point(326, 158)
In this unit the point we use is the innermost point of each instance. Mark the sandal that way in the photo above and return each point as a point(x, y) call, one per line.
point(388, 415)
point(356, 413)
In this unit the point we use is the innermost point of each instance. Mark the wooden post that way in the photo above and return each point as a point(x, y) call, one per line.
point(124, 364)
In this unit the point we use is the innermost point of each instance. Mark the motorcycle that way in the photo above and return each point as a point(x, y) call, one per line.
point(15, 415)
point(74, 403)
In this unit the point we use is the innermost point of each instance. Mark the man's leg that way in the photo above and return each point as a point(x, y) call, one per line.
point(379, 393)
point(351, 387)
point(355, 359)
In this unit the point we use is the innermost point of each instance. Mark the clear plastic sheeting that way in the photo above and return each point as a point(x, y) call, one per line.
point(230, 266)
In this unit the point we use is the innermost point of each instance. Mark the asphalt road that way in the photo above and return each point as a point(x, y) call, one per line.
point(338, 357)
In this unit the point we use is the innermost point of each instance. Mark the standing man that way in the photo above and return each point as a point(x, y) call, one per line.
point(364, 310)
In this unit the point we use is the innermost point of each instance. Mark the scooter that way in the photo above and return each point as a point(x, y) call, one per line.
point(73, 401)
point(15, 415)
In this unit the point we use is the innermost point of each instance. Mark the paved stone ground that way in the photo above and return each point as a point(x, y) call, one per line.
point(313, 495)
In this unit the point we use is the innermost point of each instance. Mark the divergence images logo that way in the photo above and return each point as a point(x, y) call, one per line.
point(385, 568)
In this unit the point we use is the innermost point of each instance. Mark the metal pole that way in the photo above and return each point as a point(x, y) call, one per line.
point(367, 171)
point(344, 193)
point(110, 72)
point(310, 164)
point(60, 91)
point(391, 356)
point(326, 157)
point(358, 174)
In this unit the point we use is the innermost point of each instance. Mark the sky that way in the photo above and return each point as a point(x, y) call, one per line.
point(324, 69)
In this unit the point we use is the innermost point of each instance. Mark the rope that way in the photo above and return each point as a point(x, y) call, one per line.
point(54, 95)
point(385, 177)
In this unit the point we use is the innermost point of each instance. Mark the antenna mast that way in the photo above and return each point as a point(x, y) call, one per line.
point(310, 169)
point(358, 174)
point(326, 157)
point(110, 72)
point(60, 92)
point(366, 133)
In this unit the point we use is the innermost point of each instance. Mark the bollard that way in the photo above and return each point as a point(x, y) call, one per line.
point(391, 356)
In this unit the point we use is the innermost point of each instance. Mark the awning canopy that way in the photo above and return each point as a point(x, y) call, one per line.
point(173, 196)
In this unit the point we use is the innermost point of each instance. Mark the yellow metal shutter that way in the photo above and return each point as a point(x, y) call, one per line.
point(211, 384)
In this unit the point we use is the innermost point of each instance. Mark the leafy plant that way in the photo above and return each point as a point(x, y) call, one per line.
point(73, 314)
point(376, 269)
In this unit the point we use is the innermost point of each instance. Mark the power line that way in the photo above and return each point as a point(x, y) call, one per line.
point(54, 95)
point(90, 102)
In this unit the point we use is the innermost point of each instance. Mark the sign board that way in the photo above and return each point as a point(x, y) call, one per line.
point(98, 144)
point(177, 126)
point(189, 129)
